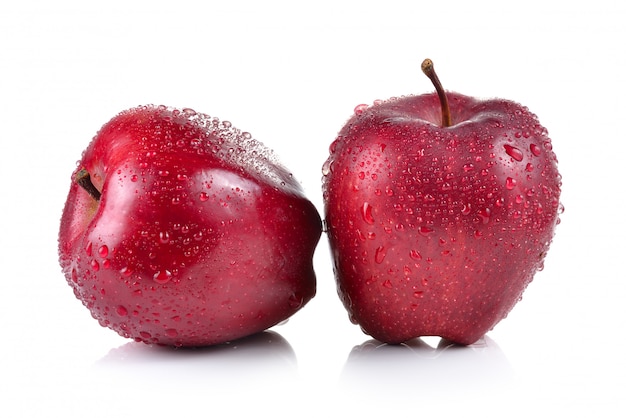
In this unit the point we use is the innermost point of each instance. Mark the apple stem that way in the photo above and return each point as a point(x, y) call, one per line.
point(429, 69)
point(84, 180)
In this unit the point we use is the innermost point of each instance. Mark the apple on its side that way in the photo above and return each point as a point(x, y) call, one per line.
point(440, 209)
point(181, 230)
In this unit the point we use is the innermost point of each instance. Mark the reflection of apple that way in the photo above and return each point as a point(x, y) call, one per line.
point(181, 230)
point(259, 366)
point(440, 208)
point(265, 351)
point(383, 371)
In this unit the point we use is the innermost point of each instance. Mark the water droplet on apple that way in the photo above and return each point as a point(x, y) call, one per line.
point(366, 213)
point(418, 294)
point(535, 150)
point(380, 254)
point(485, 215)
point(164, 237)
point(539, 209)
point(171, 332)
point(162, 276)
point(103, 251)
point(510, 183)
point(94, 265)
point(121, 310)
point(466, 210)
point(415, 255)
point(189, 112)
point(358, 110)
point(468, 167)
point(327, 167)
point(514, 152)
point(387, 284)
point(134, 178)
point(88, 249)
point(425, 230)
point(204, 196)
point(295, 301)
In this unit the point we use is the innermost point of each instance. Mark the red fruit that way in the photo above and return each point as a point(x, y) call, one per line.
point(186, 231)
point(440, 209)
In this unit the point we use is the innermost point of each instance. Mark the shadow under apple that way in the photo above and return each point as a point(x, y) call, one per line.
point(265, 356)
point(426, 371)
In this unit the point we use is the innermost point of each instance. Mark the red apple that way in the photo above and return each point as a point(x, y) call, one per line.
point(182, 230)
point(440, 209)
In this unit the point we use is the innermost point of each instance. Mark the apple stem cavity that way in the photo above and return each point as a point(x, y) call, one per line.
point(429, 69)
point(84, 180)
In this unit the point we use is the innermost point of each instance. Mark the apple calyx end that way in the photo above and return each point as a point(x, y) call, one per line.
point(83, 179)
point(428, 68)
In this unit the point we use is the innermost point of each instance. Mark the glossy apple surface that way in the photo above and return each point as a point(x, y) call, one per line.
point(186, 231)
point(437, 230)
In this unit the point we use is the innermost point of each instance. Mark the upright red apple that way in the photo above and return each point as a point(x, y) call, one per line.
point(182, 230)
point(440, 209)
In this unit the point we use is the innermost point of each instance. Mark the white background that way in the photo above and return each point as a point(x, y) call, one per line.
point(291, 73)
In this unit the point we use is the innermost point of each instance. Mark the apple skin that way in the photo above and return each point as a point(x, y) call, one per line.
point(437, 231)
point(199, 237)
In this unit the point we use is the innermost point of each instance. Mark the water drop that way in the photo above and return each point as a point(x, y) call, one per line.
point(510, 183)
point(418, 294)
point(164, 237)
point(468, 167)
point(425, 230)
point(189, 112)
point(134, 178)
point(535, 150)
point(415, 255)
point(514, 152)
point(366, 213)
point(387, 284)
point(103, 251)
point(359, 109)
point(295, 301)
point(88, 249)
point(467, 208)
point(327, 167)
point(485, 215)
point(204, 196)
point(94, 265)
point(121, 310)
point(171, 332)
point(162, 276)
point(539, 209)
point(381, 252)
